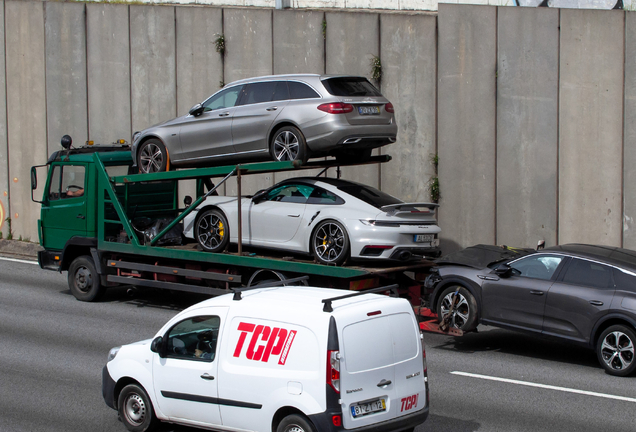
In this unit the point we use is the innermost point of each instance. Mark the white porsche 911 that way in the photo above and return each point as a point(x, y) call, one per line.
point(331, 219)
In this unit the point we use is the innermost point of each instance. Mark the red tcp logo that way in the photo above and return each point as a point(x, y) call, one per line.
point(409, 403)
point(273, 342)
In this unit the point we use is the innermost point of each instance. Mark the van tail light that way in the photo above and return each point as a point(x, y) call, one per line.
point(336, 108)
point(389, 108)
point(333, 370)
point(336, 420)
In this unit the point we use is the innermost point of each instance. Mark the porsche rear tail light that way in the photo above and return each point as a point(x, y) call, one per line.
point(336, 108)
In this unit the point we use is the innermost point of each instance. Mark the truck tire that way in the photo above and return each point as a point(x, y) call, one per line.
point(83, 279)
point(465, 315)
point(295, 423)
point(135, 409)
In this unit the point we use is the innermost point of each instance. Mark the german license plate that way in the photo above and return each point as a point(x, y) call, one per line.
point(369, 110)
point(363, 409)
point(423, 238)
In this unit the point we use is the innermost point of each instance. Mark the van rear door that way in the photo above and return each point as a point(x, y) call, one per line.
point(381, 367)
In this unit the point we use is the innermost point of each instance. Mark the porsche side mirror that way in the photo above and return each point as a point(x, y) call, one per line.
point(258, 196)
point(187, 200)
point(196, 110)
point(156, 346)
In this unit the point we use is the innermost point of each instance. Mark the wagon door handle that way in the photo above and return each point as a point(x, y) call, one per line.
point(384, 383)
point(207, 376)
point(274, 108)
point(596, 302)
point(225, 114)
point(536, 292)
point(81, 216)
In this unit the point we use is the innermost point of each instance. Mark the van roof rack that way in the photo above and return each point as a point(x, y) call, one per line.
point(393, 288)
point(237, 291)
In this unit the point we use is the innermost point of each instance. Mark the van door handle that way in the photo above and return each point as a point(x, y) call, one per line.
point(207, 376)
point(274, 108)
point(225, 114)
point(384, 383)
point(596, 302)
point(81, 216)
point(536, 292)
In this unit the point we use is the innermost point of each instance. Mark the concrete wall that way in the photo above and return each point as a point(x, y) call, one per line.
point(4, 153)
point(527, 125)
point(629, 137)
point(467, 63)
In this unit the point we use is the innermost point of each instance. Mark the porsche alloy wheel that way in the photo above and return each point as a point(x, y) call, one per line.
point(330, 243)
point(212, 231)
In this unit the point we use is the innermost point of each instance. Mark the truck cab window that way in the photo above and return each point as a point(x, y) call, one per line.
point(72, 181)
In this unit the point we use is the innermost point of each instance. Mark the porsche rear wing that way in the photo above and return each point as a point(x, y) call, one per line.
point(394, 209)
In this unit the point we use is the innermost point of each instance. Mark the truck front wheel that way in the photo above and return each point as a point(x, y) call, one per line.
point(83, 279)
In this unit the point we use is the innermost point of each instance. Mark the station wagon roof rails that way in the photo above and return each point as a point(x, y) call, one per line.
point(237, 291)
point(327, 308)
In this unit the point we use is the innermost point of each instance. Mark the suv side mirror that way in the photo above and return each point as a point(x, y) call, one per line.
point(196, 110)
point(156, 346)
point(503, 270)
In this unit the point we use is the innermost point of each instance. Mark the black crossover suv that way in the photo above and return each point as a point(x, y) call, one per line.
point(580, 293)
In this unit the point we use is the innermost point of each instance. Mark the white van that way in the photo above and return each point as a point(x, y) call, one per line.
point(283, 359)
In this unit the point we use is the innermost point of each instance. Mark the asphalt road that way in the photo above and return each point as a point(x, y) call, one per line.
point(53, 349)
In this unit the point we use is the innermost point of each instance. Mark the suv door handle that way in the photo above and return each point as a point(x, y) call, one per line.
point(274, 108)
point(225, 114)
point(536, 292)
point(596, 302)
point(80, 216)
point(384, 383)
point(207, 376)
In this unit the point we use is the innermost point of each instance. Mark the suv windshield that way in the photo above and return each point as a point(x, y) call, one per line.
point(350, 86)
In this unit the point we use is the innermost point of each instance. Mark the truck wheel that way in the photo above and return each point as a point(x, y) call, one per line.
point(465, 314)
point(615, 350)
point(83, 279)
point(212, 231)
point(152, 157)
point(288, 144)
point(295, 423)
point(330, 243)
point(135, 409)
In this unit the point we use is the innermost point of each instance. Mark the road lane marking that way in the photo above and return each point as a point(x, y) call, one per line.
point(18, 260)
point(544, 386)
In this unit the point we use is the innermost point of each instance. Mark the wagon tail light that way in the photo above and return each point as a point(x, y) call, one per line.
point(333, 370)
point(389, 108)
point(336, 108)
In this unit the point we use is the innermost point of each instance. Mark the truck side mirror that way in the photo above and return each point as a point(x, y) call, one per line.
point(34, 179)
point(196, 110)
point(156, 346)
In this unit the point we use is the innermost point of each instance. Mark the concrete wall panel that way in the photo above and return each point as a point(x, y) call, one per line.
point(66, 103)
point(299, 47)
point(4, 154)
point(409, 82)
point(153, 82)
point(527, 125)
point(108, 60)
point(249, 53)
point(629, 140)
point(466, 124)
point(26, 112)
point(591, 127)
point(352, 41)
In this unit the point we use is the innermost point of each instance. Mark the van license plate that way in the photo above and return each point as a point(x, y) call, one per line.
point(360, 410)
point(423, 238)
point(369, 110)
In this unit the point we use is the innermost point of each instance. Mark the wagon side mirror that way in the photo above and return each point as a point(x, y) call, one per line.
point(157, 346)
point(196, 110)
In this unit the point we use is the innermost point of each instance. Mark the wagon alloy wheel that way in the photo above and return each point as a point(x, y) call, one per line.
point(212, 231)
point(153, 157)
point(616, 350)
point(135, 409)
point(463, 306)
point(288, 144)
point(330, 243)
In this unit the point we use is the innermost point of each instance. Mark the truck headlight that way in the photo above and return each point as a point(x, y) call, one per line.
point(113, 352)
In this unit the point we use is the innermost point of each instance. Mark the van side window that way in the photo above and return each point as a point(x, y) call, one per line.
point(194, 338)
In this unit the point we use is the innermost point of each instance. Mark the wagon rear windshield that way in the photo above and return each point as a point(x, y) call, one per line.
point(350, 86)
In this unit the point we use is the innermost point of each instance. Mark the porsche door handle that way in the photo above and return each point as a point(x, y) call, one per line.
point(539, 293)
point(292, 215)
point(271, 108)
point(207, 376)
point(596, 302)
point(225, 114)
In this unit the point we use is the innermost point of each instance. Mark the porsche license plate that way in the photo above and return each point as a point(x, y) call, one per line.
point(359, 410)
point(423, 238)
point(369, 110)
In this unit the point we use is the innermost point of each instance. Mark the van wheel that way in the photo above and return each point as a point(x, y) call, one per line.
point(295, 423)
point(135, 409)
point(83, 279)
point(465, 313)
point(615, 350)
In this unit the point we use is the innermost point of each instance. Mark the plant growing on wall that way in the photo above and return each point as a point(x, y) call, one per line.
point(324, 28)
point(10, 233)
point(433, 183)
point(219, 44)
point(376, 68)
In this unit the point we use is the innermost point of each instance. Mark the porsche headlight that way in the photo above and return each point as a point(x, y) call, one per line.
point(113, 353)
point(367, 222)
